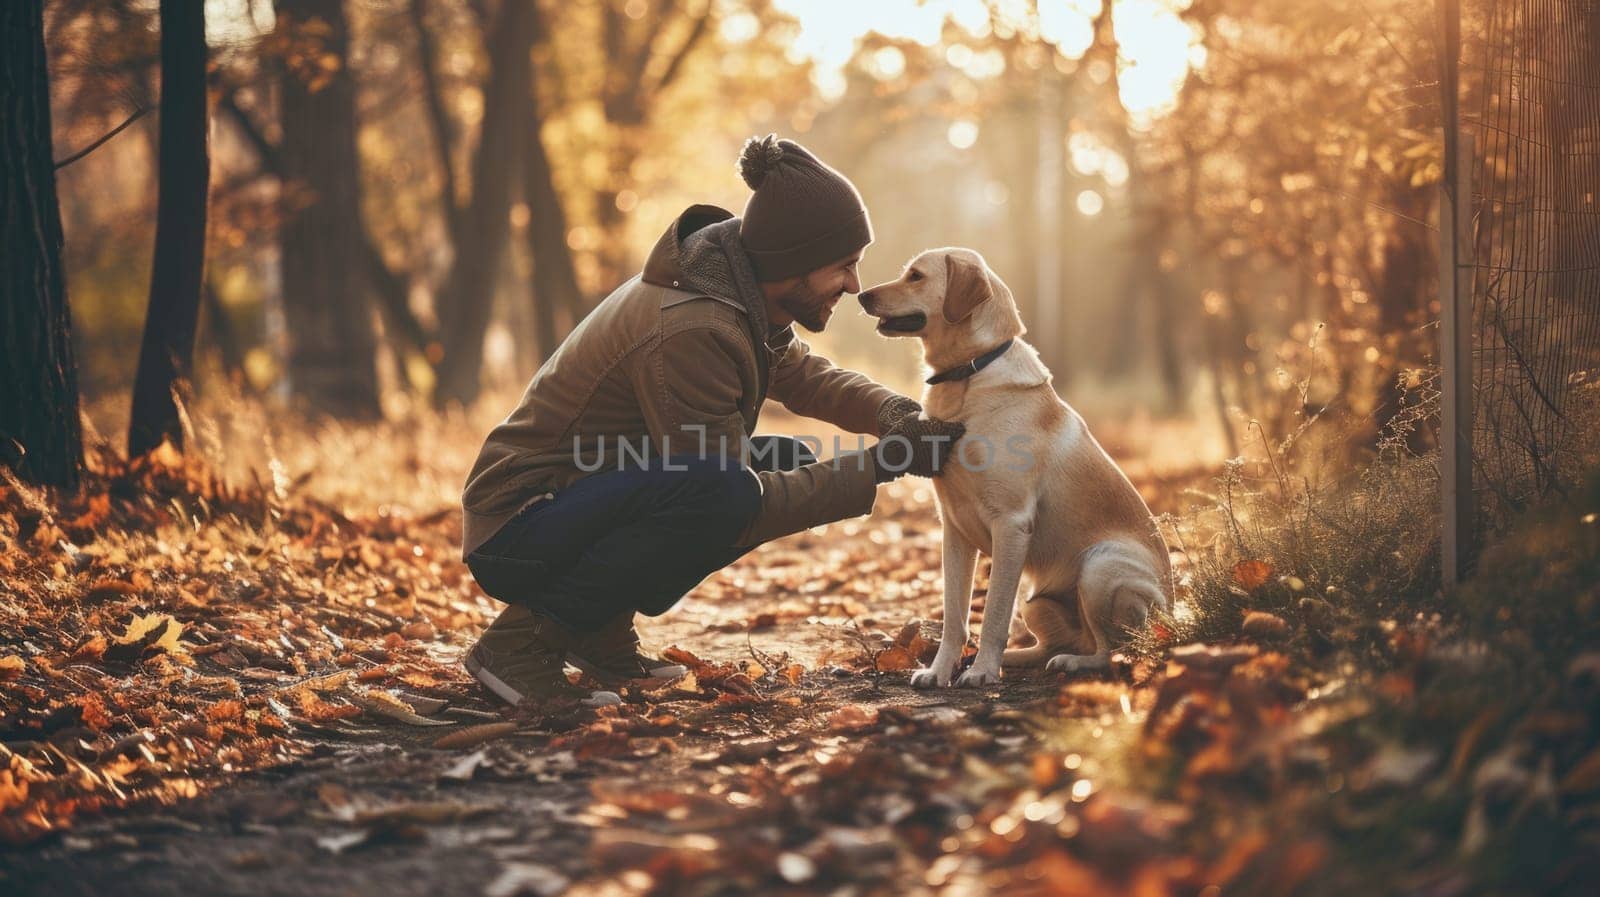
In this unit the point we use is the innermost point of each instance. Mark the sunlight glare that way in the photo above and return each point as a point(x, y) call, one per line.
point(740, 28)
point(1090, 203)
point(888, 63)
point(1069, 25)
point(1156, 47)
point(1154, 56)
point(963, 134)
point(829, 29)
point(231, 22)
point(1090, 156)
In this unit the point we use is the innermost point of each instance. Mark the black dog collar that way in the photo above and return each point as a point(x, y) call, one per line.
point(972, 367)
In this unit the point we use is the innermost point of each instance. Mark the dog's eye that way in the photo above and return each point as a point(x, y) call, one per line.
point(913, 275)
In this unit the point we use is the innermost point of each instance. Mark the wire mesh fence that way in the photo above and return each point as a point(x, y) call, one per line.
point(1530, 101)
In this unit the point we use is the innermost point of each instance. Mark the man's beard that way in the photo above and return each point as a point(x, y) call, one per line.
point(808, 308)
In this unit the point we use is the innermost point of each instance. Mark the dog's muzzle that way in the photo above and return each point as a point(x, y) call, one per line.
point(910, 323)
point(903, 323)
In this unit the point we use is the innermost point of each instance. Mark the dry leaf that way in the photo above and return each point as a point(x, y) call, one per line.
point(11, 666)
point(472, 736)
point(464, 769)
point(893, 660)
point(1252, 575)
point(852, 718)
point(1263, 626)
point(153, 631)
point(522, 879)
point(385, 704)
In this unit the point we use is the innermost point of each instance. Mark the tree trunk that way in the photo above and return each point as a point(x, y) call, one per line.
point(466, 299)
point(555, 279)
point(166, 355)
point(332, 342)
point(389, 287)
point(439, 123)
point(1165, 326)
point(40, 433)
point(222, 332)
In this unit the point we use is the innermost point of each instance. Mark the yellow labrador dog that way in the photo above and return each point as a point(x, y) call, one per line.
point(1027, 485)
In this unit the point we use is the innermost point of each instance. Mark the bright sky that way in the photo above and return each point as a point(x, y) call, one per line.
point(1157, 46)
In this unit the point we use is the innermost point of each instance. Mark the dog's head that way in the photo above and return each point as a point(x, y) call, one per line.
point(948, 298)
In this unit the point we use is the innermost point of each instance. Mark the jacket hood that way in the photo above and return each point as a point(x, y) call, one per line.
point(666, 266)
point(701, 252)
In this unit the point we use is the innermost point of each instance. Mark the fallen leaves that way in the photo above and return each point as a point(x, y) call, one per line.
point(205, 632)
point(472, 736)
point(166, 628)
point(722, 677)
point(386, 822)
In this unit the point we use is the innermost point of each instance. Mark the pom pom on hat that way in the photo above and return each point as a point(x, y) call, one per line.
point(759, 156)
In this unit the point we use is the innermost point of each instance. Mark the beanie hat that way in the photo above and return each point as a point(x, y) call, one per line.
point(802, 216)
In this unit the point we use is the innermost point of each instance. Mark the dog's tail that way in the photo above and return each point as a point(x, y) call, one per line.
point(1032, 656)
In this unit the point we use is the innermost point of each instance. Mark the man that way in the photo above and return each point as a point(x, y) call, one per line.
point(626, 475)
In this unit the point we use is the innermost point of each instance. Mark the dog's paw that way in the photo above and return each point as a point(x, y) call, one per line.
point(976, 678)
point(930, 677)
point(1075, 663)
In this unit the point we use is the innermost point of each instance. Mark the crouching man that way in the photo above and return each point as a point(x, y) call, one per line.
point(626, 474)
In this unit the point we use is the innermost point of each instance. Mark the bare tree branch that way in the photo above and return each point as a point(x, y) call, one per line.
point(702, 26)
point(137, 114)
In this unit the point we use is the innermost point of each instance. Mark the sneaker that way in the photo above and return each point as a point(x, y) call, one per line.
point(612, 656)
point(521, 655)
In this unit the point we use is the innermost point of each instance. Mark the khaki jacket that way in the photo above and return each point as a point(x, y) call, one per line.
point(659, 359)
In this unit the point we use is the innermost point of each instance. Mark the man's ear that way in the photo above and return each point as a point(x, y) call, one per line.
point(966, 286)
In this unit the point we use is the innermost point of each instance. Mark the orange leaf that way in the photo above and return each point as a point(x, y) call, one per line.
point(1252, 574)
point(852, 717)
point(891, 660)
point(93, 649)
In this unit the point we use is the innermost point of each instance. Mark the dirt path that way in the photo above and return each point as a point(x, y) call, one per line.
point(793, 765)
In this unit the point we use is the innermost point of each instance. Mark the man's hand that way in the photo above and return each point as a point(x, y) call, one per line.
point(894, 410)
point(915, 445)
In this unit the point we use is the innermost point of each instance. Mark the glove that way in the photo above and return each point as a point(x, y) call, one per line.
point(915, 445)
point(892, 411)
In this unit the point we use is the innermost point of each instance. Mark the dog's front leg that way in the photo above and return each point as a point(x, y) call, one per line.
point(960, 557)
point(1011, 536)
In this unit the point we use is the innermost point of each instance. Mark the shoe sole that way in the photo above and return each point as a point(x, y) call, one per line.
point(492, 682)
point(511, 696)
point(667, 672)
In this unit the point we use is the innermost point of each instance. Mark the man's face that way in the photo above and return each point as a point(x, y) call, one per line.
point(812, 299)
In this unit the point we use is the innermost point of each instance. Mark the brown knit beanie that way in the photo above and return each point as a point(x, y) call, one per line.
point(802, 216)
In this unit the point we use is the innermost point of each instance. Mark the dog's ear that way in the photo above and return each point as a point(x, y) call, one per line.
point(966, 287)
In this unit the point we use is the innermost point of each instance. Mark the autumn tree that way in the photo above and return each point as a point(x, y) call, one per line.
point(166, 355)
point(648, 46)
point(40, 434)
point(555, 279)
point(482, 226)
point(1304, 161)
point(332, 340)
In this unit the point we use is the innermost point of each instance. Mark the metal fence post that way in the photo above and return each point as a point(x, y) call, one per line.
point(1455, 356)
point(1455, 313)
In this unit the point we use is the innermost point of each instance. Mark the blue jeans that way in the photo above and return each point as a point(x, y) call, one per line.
point(631, 540)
